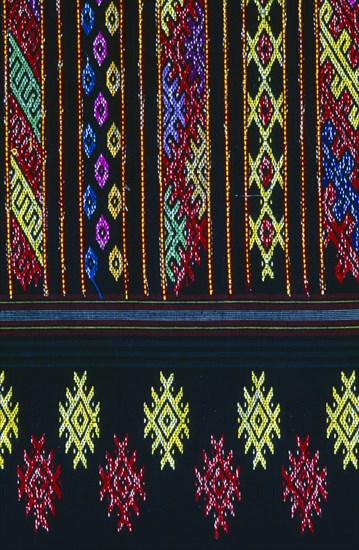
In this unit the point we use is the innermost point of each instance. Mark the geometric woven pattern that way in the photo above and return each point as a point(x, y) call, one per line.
point(339, 131)
point(305, 484)
point(264, 112)
point(166, 420)
point(343, 420)
point(183, 140)
point(8, 420)
point(24, 143)
point(103, 142)
point(259, 420)
point(38, 482)
point(218, 484)
point(121, 483)
point(79, 420)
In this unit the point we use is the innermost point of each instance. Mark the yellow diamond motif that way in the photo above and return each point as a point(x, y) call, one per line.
point(113, 78)
point(116, 263)
point(343, 420)
point(167, 420)
point(114, 201)
point(79, 420)
point(113, 140)
point(8, 420)
point(112, 19)
point(259, 420)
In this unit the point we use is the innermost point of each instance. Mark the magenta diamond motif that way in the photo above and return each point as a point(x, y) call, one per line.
point(100, 109)
point(100, 49)
point(102, 232)
point(101, 170)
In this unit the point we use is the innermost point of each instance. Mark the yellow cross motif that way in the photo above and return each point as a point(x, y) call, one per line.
point(167, 420)
point(259, 420)
point(79, 420)
point(8, 420)
point(343, 420)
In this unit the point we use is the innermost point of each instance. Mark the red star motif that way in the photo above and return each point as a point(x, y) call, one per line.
point(218, 483)
point(305, 484)
point(38, 482)
point(122, 483)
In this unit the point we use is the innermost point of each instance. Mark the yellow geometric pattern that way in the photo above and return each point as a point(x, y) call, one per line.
point(259, 420)
point(115, 263)
point(256, 185)
point(336, 49)
point(114, 201)
point(8, 420)
point(79, 420)
point(343, 420)
point(112, 19)
point(113, 140)
point(168, 11)
point(113, 79)
point(166, 420)
point(196, 171)
point(26, 210)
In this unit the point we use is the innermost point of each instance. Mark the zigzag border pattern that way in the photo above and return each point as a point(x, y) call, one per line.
point(25, 144)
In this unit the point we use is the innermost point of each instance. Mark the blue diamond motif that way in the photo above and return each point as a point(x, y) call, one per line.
point(89, 140)
point(90, 201)
point(88, 78)
point(91, 263)
point(87, 18)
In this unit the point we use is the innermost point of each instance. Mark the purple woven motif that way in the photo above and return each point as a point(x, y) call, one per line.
point(35, 6)
point(100, 49)
point(100, 109)
point(195, 50)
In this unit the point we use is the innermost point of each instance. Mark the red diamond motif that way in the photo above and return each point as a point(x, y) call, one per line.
point(305, 484)
point(122, 483)
point(265, 109)
point(267, 232)
point(266, 171)
point(218, 484)
point(264, 48)
point(38, 482)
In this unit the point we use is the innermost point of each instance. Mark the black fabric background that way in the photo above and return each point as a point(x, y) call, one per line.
point(212, 374)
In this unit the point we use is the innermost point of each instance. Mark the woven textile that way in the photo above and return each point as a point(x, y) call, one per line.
point(179, 274)
point(106, 445)
point(197, 151)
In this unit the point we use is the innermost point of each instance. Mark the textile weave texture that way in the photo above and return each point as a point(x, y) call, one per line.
point(179, 274)
point(198, 152)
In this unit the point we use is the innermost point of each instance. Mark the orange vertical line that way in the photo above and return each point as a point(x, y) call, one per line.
point(80, 165)
point(302, 148)
point(60, 144)
point(245, 145)
point(319, 152)
point(7, 153)
point(142, 146)
point(43, 147)
point(123, 150)
point(285, 147)
point(226, 146)
point(208, 153)
point(160, 149)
